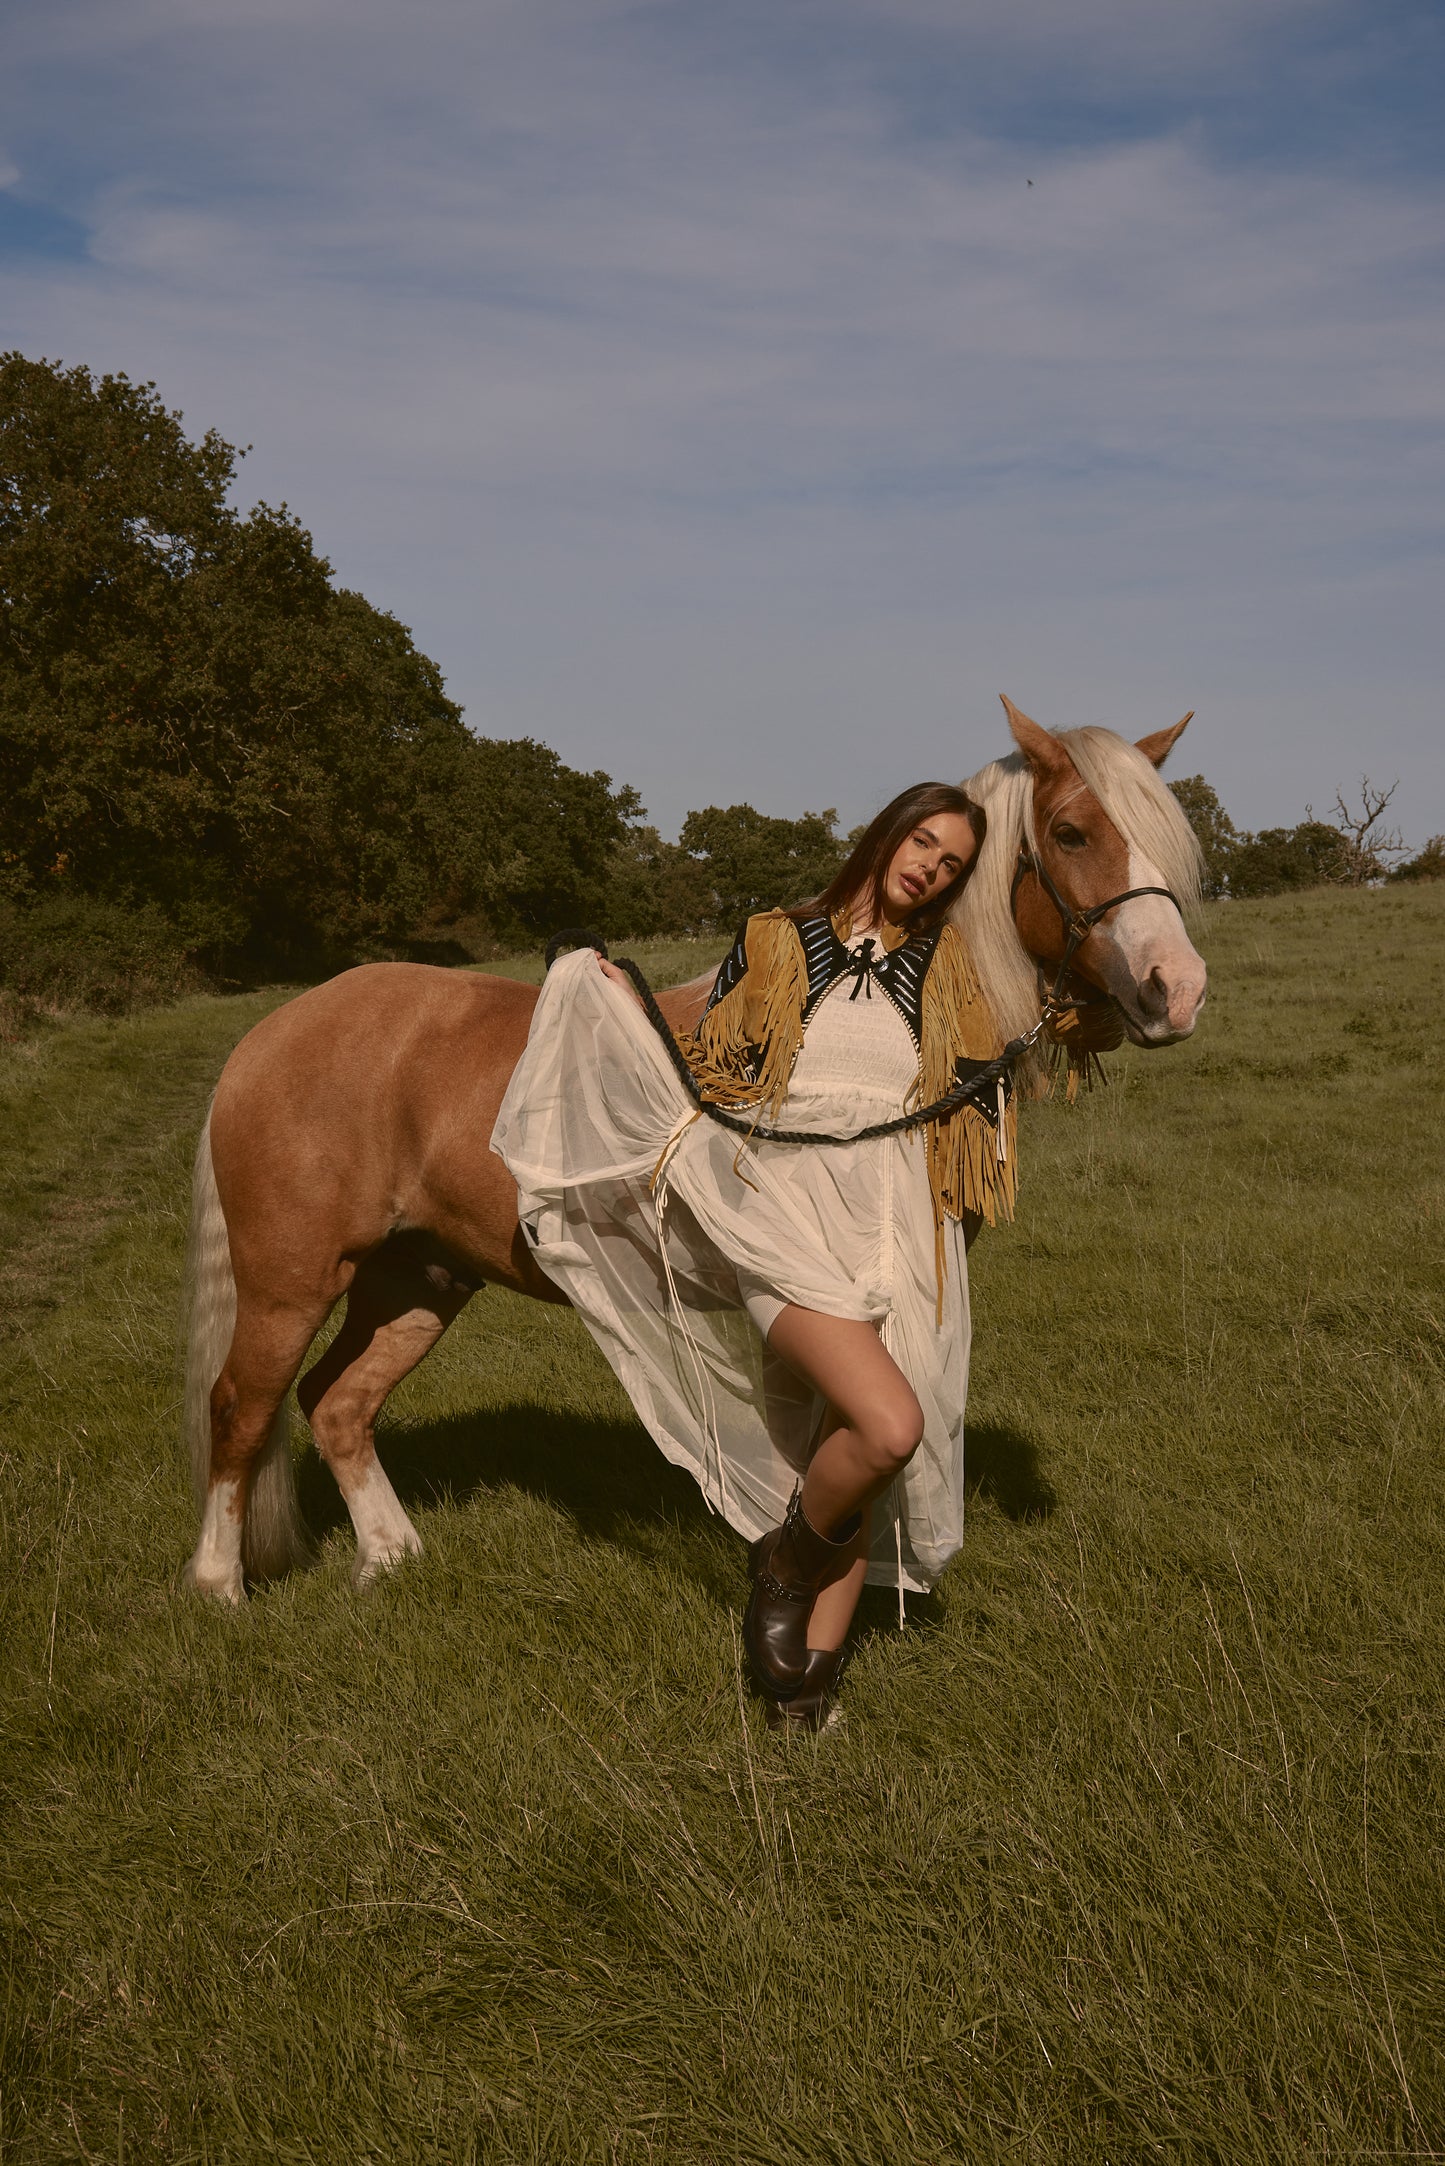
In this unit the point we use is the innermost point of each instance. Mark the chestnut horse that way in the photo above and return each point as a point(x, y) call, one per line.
point(346, 1147)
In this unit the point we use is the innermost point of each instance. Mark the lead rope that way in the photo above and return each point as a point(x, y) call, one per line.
point(979, 1089)
point(976, 1089)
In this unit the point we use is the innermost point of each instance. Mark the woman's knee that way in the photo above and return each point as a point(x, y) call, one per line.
point(894, 1433)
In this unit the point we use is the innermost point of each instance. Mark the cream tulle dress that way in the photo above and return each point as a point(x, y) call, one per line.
point(678, 1242)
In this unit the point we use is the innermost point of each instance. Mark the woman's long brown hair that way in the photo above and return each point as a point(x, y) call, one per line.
point(867, 865)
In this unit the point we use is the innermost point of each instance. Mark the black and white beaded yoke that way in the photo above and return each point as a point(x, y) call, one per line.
point(899, 973)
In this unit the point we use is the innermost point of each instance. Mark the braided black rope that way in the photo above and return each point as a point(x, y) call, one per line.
point(979, 1089)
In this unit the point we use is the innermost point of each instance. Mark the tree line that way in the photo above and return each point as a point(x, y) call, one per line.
point(209, 747)
point(199, 727)
point(1351, 847)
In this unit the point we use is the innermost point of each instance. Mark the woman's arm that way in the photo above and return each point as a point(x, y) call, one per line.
point(730, 970)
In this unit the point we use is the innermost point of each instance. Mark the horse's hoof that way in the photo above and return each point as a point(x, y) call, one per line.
point(366, 1571)
point(218, 1586)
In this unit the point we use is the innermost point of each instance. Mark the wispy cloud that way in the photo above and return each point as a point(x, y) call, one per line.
point(722, 411)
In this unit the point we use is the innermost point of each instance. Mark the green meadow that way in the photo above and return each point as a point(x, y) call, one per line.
point(1131, 1846)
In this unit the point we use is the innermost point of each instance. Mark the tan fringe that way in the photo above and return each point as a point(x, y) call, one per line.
point(964, 1167)
point(664, 1154)
point(1078, 1066)
point(762, 1014)
point(1075, 1041)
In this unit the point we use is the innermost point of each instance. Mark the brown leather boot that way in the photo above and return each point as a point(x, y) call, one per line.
point(810, 1706)
point(788, 1567)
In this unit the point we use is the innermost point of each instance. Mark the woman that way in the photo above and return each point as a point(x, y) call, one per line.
point(790, 1320)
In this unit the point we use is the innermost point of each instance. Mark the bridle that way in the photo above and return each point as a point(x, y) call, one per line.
point(1077, 925)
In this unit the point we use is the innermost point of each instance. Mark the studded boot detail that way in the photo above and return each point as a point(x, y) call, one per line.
point(788, 1567)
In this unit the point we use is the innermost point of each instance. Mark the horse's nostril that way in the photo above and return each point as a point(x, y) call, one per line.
point(1154, 993)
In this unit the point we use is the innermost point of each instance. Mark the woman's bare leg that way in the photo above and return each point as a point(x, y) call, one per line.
point(880, 1419)
point(832, 1612)
point(877, 1425)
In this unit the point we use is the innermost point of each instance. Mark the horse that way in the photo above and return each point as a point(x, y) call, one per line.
point(345, 1150)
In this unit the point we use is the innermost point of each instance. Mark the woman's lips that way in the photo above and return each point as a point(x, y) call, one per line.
point(909, 886)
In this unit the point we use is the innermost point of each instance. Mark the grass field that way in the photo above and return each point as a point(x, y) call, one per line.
point(1131, 1847)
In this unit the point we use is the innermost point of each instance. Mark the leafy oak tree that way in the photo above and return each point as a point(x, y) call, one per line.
point(1345, 851)
point(1214, 831)
point(656, 887)
point(753, 861)
point(725, 865)
point(196, 720)
point(1428, 865)
point(1279, 859)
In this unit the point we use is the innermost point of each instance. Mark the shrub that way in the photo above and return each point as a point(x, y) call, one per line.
point(1278, 859)
point(1429, 865)
point(71, 952)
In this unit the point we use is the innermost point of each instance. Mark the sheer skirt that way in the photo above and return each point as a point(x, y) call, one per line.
point(678, 1242)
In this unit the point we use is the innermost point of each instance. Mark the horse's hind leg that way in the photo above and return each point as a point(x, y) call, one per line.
point(400, 1303)
point(246, 1402)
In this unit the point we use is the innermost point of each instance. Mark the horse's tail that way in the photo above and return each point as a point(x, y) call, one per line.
point(274, 1539)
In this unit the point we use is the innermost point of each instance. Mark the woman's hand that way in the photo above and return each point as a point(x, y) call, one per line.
point(618, 977)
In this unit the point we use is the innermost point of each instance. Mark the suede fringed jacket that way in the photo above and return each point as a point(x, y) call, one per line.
point(745, 1044)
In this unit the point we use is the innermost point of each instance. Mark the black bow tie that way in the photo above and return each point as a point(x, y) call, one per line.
point(863, 971)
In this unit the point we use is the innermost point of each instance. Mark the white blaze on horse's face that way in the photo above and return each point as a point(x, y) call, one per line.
point(1145, 958)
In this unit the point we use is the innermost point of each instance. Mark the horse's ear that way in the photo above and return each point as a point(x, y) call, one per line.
point(1039, 746)
point(1158, 745)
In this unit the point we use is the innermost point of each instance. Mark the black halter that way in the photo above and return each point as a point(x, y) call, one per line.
point(1077, 924)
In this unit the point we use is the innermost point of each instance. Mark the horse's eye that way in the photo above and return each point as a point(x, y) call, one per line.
point(1069, 837)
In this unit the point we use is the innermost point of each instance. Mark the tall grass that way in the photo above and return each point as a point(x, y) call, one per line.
point(1130, 1847)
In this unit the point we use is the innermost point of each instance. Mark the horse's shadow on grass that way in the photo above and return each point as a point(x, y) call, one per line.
point(1003, 1467)
point(607, 1477)
point(615, 1486)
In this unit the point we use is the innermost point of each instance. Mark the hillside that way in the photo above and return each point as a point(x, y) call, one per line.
point(1131, 1845)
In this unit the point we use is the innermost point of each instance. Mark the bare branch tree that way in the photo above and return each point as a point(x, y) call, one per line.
point(1369, 846)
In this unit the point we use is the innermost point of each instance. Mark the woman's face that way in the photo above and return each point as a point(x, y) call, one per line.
point(926, 862)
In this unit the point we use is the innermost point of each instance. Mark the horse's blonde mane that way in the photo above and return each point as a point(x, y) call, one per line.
point(982, 914)
point(1144, 809)
point(1145, 812)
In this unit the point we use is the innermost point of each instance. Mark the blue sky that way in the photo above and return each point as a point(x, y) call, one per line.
point(713, 395)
